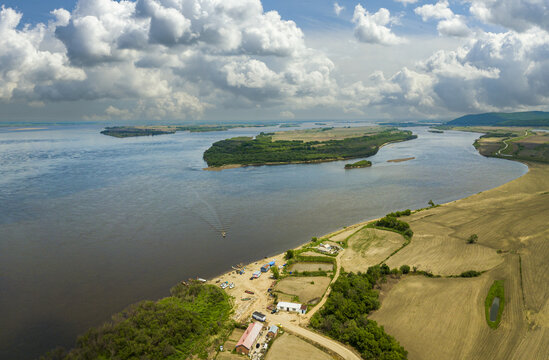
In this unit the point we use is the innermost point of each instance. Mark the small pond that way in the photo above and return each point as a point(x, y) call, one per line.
point(494, 310)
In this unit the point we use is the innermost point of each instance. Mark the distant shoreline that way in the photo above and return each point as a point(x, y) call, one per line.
point(28, 129)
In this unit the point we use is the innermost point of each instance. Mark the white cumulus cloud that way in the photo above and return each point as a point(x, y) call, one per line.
point(169, 58)
point(406, 2)
point(495, 72)
point(519, 15)
point(450, 24)
point(338, 8)
point(373, 29)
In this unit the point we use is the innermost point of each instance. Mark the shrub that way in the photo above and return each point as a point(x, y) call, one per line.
point(472, 239)
point(406, 212)
point(392, 222)
point(470, 273)
point(289, 255)
point(405, 269)
point(276, 273)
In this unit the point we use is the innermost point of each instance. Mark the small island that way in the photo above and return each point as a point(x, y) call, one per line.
point(302, 146)
point(436, 131)
point(359, 164)
point(401, 160)
point(152, 130)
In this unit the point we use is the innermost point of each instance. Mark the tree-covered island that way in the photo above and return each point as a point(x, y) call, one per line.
point(151, 130)
point(359, 164)
point(303, 146)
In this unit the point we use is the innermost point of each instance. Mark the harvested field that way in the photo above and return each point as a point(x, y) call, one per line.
point(369, 247)
point(302, 287)
point(310, 266)
point(344, 234)
point(288, 346)
point(339, 133)
point(444, 318)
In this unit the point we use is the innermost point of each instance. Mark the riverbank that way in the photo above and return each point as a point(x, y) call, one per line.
point(512, 247)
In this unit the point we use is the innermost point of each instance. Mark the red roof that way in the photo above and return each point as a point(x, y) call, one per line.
point(250, 335)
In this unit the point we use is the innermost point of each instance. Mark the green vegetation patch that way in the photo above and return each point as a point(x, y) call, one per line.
point(262, 150)
point(496, 290)
point(526, 118)
point(359, 164)
point(130, 131)
point(344, 316)
point(176, 327)
point(392, 223)
point(470, 273)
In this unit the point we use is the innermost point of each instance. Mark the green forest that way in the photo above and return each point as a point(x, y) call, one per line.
point(344, 316)
point(525, 118)
point(262, 150)
point(175, 327)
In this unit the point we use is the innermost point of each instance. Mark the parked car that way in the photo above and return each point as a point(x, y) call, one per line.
point(249, 292)
point(274, 311)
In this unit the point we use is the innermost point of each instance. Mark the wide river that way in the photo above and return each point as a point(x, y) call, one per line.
point(91, 223)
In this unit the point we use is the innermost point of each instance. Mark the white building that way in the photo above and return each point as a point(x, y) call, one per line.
point(292, 307)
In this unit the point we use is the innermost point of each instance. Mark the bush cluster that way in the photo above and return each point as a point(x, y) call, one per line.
point(175, 327)
point(392, 222)
point(344, 316)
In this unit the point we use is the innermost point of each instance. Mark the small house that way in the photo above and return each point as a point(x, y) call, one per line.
point(256, 274)
point(273, 331)
point(265, 268)
point(291, 307)
point(249, 338)
point(259, 316)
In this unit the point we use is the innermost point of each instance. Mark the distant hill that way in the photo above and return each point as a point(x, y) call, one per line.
point(527, 118)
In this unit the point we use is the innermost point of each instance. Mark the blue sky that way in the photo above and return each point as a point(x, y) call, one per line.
point(188, 60)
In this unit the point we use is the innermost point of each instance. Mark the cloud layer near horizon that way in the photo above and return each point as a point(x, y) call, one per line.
point(177, 59)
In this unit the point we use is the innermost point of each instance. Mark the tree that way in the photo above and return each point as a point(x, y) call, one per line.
point(431, 203)
point(405, 269)
point(472, 239)
point(289, 255)
point(276, 273)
